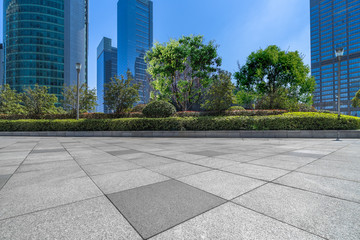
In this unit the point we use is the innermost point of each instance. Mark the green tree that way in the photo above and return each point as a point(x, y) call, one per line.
point(181, 69)
point(272, 73)
point(87, 99)
point(37, 101)
point(356, 100)
point(220, 95)
point(121, 94)
point(10, 101)
point(246, 99)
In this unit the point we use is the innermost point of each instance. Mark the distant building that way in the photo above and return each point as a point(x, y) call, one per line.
point(135, 38)
point(106, 69)
point(43, 41)
point(1, 65)
point(335, 23)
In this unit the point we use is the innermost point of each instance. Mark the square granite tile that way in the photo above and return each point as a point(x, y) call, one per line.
point(254, 171)
point(150, 161)
point(121, 181)
point(155, 208)
point(208, 153)
point(325, 185)
point(110, 167)
point(222, 184)
point(51, 150)
point(177, 170)
point(3, 180)
point(232, 222)
point(91, 219)
point(324, 216)
point(328, 170)
point(123, 152)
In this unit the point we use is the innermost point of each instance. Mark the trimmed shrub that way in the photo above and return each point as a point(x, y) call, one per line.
point(236, 108)
point(159, 109)
point(288, 121)
point(138, 108)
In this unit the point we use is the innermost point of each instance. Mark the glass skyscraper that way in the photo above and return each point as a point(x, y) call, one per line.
point(1, 65)
point(135, 38)
point(334, 24)
point(106, 69)
point(43, 40)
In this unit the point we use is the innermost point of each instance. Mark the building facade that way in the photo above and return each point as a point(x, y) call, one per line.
point(106, 69)
point(135, 38)
point(43, 40)
point(335, 24)
point(2, 65)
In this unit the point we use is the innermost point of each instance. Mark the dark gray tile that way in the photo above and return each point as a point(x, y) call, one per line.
point(122, 152)
point(3, 180)
point(209, 153)
point(158, 207)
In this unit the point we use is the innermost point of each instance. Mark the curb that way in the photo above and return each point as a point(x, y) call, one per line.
point(350, 134)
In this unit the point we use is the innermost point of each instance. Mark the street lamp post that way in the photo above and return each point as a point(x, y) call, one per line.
point(78, 69)
point(339, 52)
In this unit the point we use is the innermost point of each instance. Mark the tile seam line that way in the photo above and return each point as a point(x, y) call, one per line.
point(19, 166)
point(103, 193)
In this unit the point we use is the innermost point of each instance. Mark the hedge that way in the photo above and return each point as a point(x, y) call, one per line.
point(288, 121)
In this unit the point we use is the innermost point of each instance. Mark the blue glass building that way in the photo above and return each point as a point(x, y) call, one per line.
point(1, 65)
point(106, 69)
point(135, 38)
point(335, 23)
point(43, 39)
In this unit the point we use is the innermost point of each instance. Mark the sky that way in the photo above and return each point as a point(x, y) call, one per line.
point(239, 27)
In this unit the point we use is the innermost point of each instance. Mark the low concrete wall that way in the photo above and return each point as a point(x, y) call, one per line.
point(196, 134)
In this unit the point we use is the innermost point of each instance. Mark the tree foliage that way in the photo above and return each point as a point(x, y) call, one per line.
point(274, 73)
point(121, 93)
point(181, 69)
point(87, 101)
point(38, 101)
point(246, 99)
point(10, 101)
point(356, 100)
point(220, 95)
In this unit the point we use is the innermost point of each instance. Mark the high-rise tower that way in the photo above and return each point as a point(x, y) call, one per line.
point(135, 37)
point(335, 24)
point(43, 40)
point(106, 69)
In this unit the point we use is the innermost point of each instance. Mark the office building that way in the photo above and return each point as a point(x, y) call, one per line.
point(1, 65)
point(135, 38)
point(335, 24)
point(106, 69)
point(43, 41)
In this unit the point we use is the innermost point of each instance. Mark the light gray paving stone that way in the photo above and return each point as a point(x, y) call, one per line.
point(151, 161)
point(48, 150)
point(178, 170)
point(120, 181)
point(355, 165)
point(328, 217)
point(329, 186)
point(238, 157)
point(231, 221)
point(225, 185)
point(214, 162)
point(209, 153)
point(332, 171)
point(260, 172)
point(3, 180)
point(33, 191)
point(123, 152)
point(157, 207)
point(110, 167)
point(86, 220)
point(46, 166)
point(287, 165)
point(5, 170)
point(304, 154)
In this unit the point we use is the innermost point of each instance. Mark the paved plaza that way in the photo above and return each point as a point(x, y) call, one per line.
point(177, 188)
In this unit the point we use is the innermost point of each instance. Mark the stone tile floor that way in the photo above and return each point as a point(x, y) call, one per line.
point(157, 188)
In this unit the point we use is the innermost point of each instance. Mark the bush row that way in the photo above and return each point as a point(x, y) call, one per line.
point(140, 115)
point(288, 121)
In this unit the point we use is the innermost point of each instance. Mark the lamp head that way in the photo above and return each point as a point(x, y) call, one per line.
point(339, 52)
point(78, 67)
